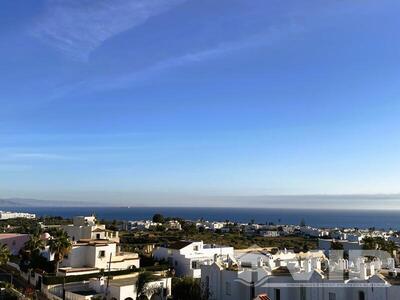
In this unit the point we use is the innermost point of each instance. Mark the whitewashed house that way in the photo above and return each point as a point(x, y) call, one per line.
point(119, 288)
point(95, 255)
point(14, 241)
point(187, 257)
point(298, 280)
point(88, 228)
point(93, 249)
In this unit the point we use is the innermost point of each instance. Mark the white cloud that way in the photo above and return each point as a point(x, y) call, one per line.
point(78, 27)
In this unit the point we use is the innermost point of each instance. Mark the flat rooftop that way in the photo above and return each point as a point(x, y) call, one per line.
point(10, 235)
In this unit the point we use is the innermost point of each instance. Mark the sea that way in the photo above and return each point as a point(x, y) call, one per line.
point(380, 219)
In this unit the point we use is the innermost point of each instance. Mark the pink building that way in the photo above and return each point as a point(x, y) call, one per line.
point(14, 241)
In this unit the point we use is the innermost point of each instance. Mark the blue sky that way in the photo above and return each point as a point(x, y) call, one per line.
point(177, 102)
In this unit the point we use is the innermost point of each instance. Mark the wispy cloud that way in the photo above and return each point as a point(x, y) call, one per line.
point(269, 37)
point(78, 27)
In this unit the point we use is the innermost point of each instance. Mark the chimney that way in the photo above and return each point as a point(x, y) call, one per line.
point(391, 264)
point(363, 271)
point(260, 262)
point(308, 267)
point(215, 257)
point(372, 269)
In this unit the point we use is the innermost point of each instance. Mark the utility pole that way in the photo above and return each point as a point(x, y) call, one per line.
point(108, 276)
point(63, 287)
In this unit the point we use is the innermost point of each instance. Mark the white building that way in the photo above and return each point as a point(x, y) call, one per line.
point(94, 248)
point(173, 225)
point(141, 225)
point(298, 280)
point(314, 232)
point(87, 228)
point(5, 215)
point(119, 288)
point(269, 233)
point(14, 241)
point(93, 255)
point(187, 257)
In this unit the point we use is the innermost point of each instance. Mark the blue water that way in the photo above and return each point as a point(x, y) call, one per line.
point(318, 218)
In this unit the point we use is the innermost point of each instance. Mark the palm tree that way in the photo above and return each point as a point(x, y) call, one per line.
point(31, 253)
point(4, 254)
point(34, 245)
point(59, 245)
point(143, 290)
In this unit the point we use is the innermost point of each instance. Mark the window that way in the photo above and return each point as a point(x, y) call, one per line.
point(98, 236)
point(332, 296)
point(195, 264)
point(196, 248)
point(228, 288)
point(102, 253)
point(361, 295)
point(277, 294)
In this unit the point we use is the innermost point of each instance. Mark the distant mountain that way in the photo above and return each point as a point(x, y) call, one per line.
point(26, 202)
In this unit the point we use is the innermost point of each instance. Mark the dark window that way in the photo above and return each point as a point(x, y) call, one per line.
point(277, 294)
point(361, 296)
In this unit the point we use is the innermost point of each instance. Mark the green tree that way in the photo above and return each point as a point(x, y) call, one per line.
point(189, 228)
point(34, 245)
point(142, 289)
point(158, 218)
point(336, 245)
point(30, 255)
point(379, 243)
point(4, 254)
point(188, 288)
point(59, 245)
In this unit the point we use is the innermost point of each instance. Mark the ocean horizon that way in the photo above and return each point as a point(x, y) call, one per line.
point(328, 218)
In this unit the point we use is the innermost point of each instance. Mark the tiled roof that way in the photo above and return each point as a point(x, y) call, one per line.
point(263, 297)
point(10, 235)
